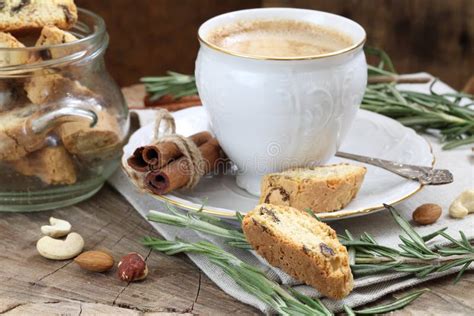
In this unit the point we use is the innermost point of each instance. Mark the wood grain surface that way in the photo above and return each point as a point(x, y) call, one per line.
point(30, 284)
point(149, 37)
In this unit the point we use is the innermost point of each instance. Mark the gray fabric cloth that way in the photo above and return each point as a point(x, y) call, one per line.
point(380, 225)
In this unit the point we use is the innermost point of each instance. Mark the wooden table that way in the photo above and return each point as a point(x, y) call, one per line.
point(31, 284)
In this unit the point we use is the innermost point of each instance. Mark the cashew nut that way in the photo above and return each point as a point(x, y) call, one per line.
point(463, 204)
point(60, 249)
point(58, 228)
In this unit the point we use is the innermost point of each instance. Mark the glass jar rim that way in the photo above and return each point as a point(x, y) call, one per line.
point(92, 41)
point(98, 32)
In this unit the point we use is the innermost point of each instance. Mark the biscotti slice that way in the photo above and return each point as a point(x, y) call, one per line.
point(52, 165)
point(300, 245)
point(16, 137)
point(45, 86)
point(14, 57)
point(51, 35)
point(82, 140)
point(10, 89)
point(319, 189)
point(19, 15)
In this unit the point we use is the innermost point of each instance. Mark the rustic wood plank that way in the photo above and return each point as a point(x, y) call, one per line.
point(444, 298)
point(31, 284)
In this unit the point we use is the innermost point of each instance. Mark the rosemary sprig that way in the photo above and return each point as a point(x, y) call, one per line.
point(174, 84)
point(201, 222)
point(386, 308)
point(285, 301)
point(246, 276)
point(413, 255)
point(367, 256)
point(424, 112)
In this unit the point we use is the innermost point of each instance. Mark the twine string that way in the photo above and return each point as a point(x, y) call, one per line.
point(187, 147)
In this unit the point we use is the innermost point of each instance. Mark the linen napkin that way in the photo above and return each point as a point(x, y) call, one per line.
point(380, 225)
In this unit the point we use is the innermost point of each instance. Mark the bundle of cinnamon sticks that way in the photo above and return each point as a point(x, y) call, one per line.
point(165, 168)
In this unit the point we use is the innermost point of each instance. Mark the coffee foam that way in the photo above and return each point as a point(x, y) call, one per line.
point(278, 38)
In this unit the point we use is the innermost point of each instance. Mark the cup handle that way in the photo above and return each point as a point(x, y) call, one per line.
point(53, 118)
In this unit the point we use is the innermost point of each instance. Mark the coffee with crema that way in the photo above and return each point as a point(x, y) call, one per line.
point(278, 38)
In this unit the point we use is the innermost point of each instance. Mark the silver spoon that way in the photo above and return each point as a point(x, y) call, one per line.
point(424, 175)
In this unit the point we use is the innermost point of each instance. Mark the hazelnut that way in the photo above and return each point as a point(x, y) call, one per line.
point(427, 214)
point(132, 267)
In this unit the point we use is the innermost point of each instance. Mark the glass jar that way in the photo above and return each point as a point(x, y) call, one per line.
point(63, 120)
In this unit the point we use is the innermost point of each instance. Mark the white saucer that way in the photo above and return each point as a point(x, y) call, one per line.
point(371, 135)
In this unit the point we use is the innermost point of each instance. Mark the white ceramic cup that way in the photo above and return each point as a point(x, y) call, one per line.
point(275, 113)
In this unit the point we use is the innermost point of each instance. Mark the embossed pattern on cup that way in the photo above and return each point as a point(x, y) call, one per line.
point(270, 115)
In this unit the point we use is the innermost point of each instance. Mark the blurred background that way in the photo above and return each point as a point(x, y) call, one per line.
point(149, 37)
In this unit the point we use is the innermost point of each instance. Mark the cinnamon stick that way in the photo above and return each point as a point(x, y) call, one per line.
point(177, 174)
point(136, 162)
point(169, 99)
point(153, 157)
point(398, 79)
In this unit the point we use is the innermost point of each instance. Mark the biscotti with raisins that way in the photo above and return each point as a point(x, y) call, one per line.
point(10, 58)
point(51, 35)
point(319, 189)
point(22, 15)
point(300, 245)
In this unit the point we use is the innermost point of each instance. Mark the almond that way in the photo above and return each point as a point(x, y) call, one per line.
point(96, 261)
point(427, 214)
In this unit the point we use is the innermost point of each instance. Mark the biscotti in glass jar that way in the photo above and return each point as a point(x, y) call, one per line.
point(63, 119)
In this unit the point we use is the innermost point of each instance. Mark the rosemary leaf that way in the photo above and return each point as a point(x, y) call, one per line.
point(397, 304)
point(386, 61)
point(408, 229)
point(454, 241)
point(433, 234)
point(366, 269)
point(239, 217)
point(412, 268)
point(312, 302)
point(349, 311)
point(422, 274)
point(455, 263)
point(461, 272)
